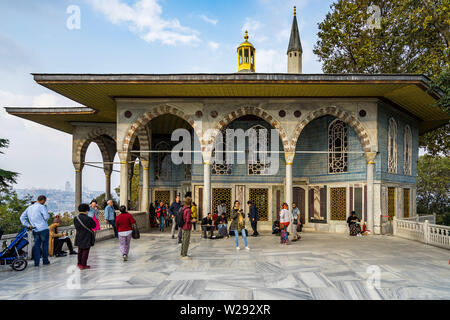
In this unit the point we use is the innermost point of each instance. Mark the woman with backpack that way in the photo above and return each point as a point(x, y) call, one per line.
point(124, 225)
point(238, 225)
point(186, 227)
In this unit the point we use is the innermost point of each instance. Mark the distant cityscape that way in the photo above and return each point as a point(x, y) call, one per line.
point(59, 201)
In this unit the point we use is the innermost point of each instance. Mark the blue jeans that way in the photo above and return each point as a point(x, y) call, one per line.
point(40, 238)
point(161, 223)
point(236, 236)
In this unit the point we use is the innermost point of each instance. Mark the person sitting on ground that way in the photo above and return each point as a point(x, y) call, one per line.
point(353, 224)
point(207, 225)
point(57, 240)
point(222, 225)
point(276, 228)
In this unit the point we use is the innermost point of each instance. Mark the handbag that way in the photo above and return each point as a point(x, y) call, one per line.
point(91, 232)
point(299, 228)
point(135, 234)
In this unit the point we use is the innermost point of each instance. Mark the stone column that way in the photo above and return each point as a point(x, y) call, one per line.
point(370, 157)
point(206, 188)
point(123, 156)
point(78, 185)
point(145, 186)
point(108, 185)
point(289, 156)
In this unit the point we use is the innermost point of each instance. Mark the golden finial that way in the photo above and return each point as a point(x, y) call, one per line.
point(246, 35)
point(295, 11)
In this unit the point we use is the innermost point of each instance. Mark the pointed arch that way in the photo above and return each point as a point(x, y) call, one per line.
point(256, 111)
point(145, 118)
point(340, 114)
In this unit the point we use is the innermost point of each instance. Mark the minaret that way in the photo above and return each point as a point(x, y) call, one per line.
point(246, 56)
point(295, 50)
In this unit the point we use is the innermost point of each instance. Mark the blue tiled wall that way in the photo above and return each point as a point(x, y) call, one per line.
point(314, 137)
point(385, 112)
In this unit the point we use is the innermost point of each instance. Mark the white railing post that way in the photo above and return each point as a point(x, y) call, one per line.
point(394, 226)
point(426, 233)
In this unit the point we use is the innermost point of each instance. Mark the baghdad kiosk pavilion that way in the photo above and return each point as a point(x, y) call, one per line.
point(346, 141)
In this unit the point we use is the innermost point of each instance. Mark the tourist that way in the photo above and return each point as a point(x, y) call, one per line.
point(85, 236)
point(284, 223)
point(276, 228)
point(222, 226)
point(57, 240)
point(194, 215)
point(161, 215)
point(295, 221)
point(174, 208)
point(238, 225)
point(353, 224)
point(110, 216)
point(167, 218)
point(35, 217)
point(186, 227)
point(124, 226)
point(221, 208)
point(207, 225)
point(253, 218)
point(93, 213)
point(152, 216)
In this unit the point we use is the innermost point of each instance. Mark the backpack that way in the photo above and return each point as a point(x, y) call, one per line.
point(180, 218)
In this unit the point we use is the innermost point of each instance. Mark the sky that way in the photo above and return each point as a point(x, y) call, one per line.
point(126, 36)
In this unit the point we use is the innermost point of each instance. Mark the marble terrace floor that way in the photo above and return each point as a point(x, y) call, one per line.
point(319, 266)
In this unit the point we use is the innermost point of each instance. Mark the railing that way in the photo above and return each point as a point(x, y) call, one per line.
point(425, 232)
point(106, 231)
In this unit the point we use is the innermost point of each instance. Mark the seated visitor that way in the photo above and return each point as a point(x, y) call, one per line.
point(353, 224)
point(222, 225)
point(214, 219)
point(207, 225)
point(57, 240)
point(276, 228)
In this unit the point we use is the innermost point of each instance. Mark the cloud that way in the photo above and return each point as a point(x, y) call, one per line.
point(144, 18)
point(209, 20)
point(270, 60)
point(254, 28)
point(213, 45)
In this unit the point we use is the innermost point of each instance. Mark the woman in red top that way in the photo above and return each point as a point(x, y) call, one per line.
point(124, 224)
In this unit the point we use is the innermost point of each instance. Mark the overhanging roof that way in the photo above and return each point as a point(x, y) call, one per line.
point(409, 92)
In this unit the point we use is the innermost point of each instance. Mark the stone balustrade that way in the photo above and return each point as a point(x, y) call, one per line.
point(106, 231)
point(432, 234)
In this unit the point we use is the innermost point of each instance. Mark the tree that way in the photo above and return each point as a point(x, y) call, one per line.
point(11, 207)
point(414, 38)
point(433, 185)
point(7, 178)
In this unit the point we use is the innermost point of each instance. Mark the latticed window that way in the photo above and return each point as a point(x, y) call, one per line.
point(407, 151)
point(220, 166)
point(337, 147)
point(258, 146)
point(392, 146)
point(162, 161)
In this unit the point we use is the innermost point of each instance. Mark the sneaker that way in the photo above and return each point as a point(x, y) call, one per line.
point(247, 248)
point(237, 248)
point(185, 257)
point(73, 252)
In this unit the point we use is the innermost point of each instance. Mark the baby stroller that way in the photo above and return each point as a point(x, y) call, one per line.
point(14, 255)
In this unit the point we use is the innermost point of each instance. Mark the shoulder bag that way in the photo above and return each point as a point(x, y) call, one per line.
point(91, 232)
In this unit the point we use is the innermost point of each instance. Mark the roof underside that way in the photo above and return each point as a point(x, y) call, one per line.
point(97, 92)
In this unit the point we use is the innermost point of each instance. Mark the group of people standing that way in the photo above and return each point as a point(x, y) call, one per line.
point(287, 218)
point(48, 241)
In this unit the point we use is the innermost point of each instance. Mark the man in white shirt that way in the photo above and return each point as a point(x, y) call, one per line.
point(35, 218)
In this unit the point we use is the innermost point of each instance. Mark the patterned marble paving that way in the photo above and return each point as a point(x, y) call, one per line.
point(320, 266)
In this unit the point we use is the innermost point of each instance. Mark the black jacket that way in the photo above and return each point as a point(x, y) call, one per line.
point(206, 221)
point(253, 213)
point(84, 238)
